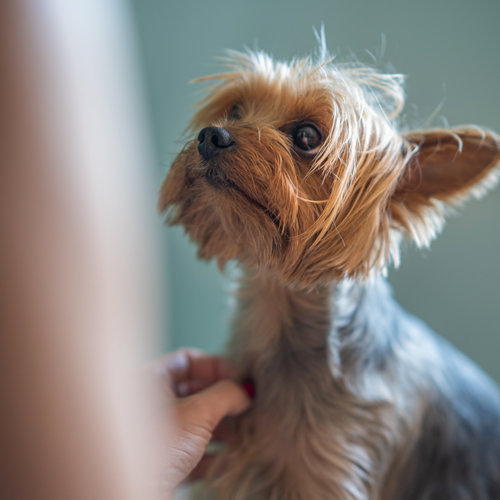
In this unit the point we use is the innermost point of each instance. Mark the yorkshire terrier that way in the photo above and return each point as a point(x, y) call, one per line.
point(300, 173)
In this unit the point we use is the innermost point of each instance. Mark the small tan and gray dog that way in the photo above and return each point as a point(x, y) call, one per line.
point(301, 174)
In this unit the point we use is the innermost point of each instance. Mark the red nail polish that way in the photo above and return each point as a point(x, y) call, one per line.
point(249, 387)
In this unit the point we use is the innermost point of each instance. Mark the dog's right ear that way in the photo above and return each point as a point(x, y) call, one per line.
point(446, 167)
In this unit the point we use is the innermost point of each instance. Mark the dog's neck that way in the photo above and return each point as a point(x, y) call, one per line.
point(282, 324)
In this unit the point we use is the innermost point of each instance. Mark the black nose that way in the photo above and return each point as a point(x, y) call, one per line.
point(213, 140)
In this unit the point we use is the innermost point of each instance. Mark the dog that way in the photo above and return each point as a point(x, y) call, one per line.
point(301, 174)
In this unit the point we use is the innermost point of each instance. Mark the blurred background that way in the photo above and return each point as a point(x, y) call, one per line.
point(449, 51)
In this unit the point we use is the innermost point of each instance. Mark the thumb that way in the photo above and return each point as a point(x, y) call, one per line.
point(208, 407)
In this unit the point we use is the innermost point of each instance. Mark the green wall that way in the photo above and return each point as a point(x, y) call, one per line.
point(450, 51)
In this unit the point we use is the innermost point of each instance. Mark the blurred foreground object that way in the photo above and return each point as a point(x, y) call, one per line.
point(77, 294)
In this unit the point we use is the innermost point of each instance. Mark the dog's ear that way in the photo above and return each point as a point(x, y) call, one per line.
point(446, 167)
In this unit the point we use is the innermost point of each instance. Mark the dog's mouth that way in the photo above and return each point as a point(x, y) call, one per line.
point(217, 179)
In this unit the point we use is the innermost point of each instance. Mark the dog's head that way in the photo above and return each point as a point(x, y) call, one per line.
point(299, 170)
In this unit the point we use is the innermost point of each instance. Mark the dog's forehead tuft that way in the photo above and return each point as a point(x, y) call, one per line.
point(260, 100)
point(256, 80)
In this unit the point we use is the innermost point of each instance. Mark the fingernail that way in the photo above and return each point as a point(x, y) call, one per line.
point(182, 389)
point(249, 387)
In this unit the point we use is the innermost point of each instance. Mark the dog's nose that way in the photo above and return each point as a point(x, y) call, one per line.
point(212, 140)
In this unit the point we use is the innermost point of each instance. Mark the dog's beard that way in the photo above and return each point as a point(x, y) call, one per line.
point(250, 207)
point(224, 218)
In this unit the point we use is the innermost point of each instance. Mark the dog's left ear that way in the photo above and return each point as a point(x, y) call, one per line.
point(446, 167)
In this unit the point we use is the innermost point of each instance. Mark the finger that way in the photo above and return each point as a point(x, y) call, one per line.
point(189, 387)
point(208, 407)
point(174, 366)
point(189, 364)
point(211, 368)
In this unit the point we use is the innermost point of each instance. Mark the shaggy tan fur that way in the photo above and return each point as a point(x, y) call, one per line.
point(307, 230)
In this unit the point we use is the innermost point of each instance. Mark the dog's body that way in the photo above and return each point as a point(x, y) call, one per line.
point(302, 176)
point(358, 399)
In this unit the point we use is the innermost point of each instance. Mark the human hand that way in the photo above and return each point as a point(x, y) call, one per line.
point(200, 395)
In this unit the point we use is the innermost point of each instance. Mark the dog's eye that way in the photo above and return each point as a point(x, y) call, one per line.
point(307, 138)
point(235, 113)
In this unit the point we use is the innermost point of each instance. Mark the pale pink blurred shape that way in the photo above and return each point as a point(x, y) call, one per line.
point(79, 295)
